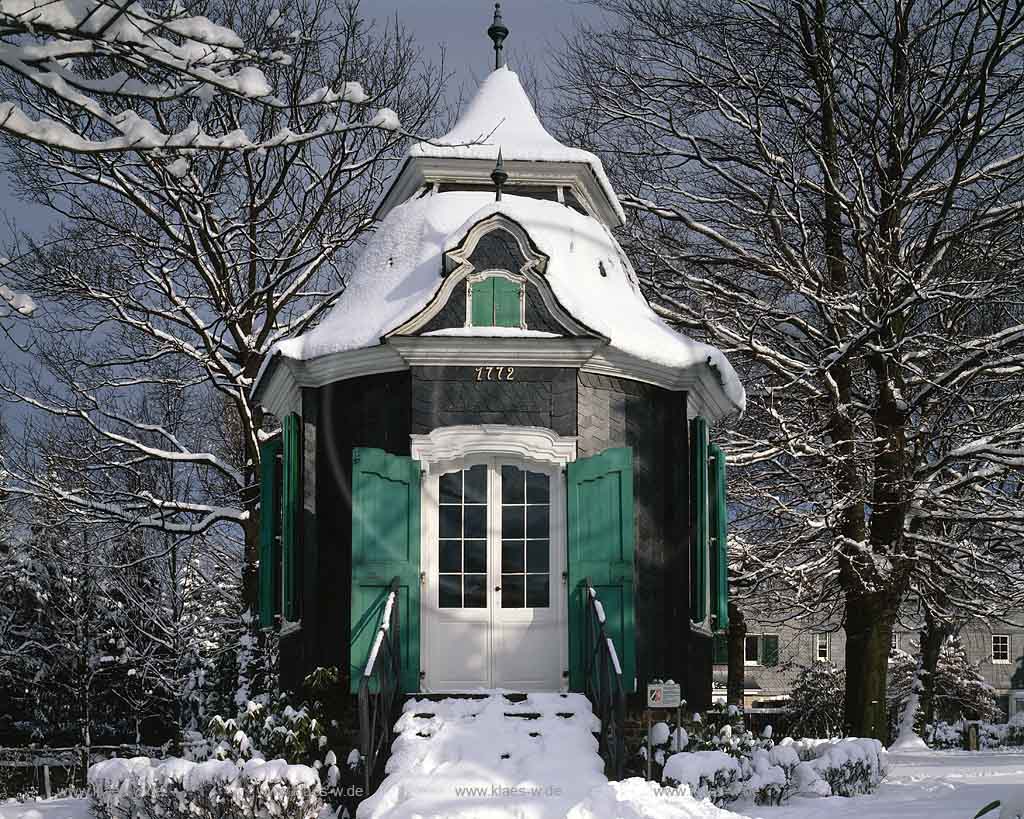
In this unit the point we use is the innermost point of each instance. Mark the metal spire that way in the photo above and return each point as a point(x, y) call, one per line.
point(498, 176)
point(498, 32)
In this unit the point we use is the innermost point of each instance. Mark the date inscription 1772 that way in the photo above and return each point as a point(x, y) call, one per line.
point(495, 373)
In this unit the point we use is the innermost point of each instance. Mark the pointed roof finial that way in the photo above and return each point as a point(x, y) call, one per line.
point(498, 32)
point(498, 176)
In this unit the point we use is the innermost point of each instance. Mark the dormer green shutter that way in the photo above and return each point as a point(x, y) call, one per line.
point(496, 302)
point(507, 310)
point(719, 542)
point(699, 507)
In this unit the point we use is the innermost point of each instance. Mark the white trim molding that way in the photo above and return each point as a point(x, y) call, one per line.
point(457, 261)
point(440, 449)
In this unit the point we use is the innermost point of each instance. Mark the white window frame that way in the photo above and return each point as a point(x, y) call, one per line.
point(894, 641)
point(760, 649)
point(823, 639)
point(1005, 660)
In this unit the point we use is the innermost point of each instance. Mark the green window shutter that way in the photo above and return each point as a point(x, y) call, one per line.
point(699, 505)
point(719, 540)
point(291, 506)
point(482, 298)
point(720, 646)
point(601, 537)
point(270, 520)
point(507, 309)
point(769, 650)
point(385, 544)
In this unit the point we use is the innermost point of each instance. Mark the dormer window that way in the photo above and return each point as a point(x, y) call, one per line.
point(495, 301)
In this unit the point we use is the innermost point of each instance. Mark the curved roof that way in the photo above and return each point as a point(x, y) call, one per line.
point(401, 267)
point(501, 116)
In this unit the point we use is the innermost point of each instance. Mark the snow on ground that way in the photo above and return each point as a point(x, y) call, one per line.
point(922, 785)
point(46, 809)
point(476, 759)
point(925, 785)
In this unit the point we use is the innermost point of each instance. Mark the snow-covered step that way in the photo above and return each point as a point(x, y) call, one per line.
point(529, 756)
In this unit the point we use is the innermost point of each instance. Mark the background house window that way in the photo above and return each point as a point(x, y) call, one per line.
point(1000, 648)
point(761, 649)
point(822, 647)
point(895, 641)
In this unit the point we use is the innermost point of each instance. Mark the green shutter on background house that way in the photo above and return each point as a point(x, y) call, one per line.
point(270, 520)
point(385, 544)
point(719, 540)
point(601, 546)
point(699, 505)
point(769, 650)
point(291, 488)
point(507, 310)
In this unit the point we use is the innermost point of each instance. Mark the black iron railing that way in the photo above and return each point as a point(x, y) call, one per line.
point(379, 689)
point(603, 685)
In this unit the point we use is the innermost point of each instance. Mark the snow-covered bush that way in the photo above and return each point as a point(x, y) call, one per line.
point(311, 732)
point(143, 788)
point(817, 701)
point(950, 735)
point(710, 775)
point(850, 766)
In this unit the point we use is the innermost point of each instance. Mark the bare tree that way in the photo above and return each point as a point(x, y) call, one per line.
point(94, 66)
point(180, 268)
point(832, 191)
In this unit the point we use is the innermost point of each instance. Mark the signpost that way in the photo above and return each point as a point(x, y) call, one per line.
point(662, 695)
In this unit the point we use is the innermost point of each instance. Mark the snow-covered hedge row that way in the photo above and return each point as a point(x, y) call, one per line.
point(844, 767)
point(948, 735)
point(143, 788)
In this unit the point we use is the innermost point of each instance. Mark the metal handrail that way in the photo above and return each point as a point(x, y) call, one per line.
point(379, 688)
point(603, 686)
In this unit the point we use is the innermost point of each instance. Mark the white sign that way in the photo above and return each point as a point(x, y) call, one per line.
point(663, 695)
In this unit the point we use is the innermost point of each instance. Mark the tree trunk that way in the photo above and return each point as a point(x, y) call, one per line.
point(869, 622)
point(932, 637)
point(736, 638)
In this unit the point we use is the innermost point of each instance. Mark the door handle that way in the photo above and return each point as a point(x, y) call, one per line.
point(497, 588)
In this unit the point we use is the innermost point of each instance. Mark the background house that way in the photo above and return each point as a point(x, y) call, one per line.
point(775, 653)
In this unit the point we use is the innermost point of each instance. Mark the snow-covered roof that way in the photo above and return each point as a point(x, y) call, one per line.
point(501, 116)
point(401, 269)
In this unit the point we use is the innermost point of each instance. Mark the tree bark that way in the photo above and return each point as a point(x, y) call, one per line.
point(932, 637)
point(869, 622)
point(736, 638)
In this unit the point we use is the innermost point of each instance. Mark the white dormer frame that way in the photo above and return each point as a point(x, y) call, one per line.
point(578, 177)
point(458, 261)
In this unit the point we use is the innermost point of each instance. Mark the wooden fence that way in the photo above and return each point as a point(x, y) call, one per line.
point(66, 766)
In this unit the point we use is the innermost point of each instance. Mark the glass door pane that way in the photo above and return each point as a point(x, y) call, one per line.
point(462, 539)
point(525, 539)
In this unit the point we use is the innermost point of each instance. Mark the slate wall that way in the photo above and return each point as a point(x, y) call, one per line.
point(373, 411)
point(538, 396)
point(382, 410)
point(617, 412)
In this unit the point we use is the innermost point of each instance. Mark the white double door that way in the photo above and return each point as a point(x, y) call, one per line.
point(493, 606)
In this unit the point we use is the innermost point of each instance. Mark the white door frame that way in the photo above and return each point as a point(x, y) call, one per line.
point(449, 448)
